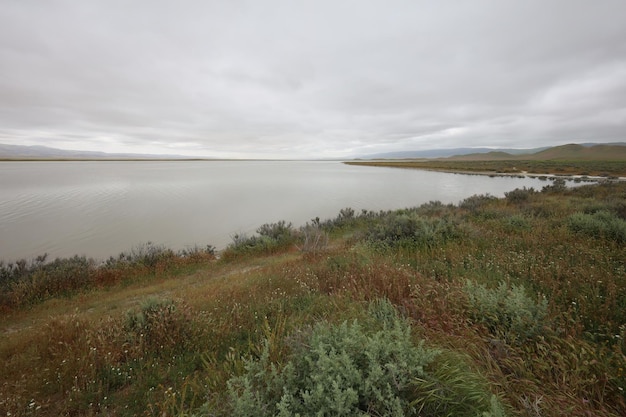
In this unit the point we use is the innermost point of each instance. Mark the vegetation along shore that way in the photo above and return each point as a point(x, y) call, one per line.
point(511, 306)
point(605, 169)
point(608, 161)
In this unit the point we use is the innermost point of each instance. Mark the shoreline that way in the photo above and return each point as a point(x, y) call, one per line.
point(521, 174)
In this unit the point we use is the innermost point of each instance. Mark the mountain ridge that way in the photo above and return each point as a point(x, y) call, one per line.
point(475, 153)
point(608, 152)
point(45, 152)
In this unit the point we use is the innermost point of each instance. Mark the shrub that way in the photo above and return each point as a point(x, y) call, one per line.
point(507, 311)
point(517, 222)
point(271, 236)
point(147, 254)
point(345, 217)
point(249, 244)
point(14, 271)
point(312, 239)
point(198, 252)
point(600, 224)
point(476, 203)
point(346, 214)
point(434, 208)
point(26, 283)
point(409, 229)
point(519, 195)
point(345, 370)
point(276, 231)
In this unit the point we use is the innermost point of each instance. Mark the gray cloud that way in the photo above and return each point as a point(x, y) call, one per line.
point(311, 78)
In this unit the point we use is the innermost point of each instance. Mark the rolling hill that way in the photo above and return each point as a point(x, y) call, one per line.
point(574, 152)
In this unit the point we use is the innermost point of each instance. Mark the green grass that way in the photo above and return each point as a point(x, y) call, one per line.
point(512, 306)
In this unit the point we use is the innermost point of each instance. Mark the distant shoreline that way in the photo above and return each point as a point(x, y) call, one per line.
point(559, 169)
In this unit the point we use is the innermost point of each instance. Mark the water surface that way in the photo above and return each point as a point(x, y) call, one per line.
point(99, 209)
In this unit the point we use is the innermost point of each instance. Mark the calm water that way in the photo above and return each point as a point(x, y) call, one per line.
point(99, 209)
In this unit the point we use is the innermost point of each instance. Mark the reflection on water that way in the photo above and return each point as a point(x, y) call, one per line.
point(102, 208)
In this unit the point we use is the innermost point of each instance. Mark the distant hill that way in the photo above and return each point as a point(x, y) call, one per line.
point(44, 152)
point(490, 156)
point(569, 151)
point(444, 153)
point(597, 152)
point(589, 152)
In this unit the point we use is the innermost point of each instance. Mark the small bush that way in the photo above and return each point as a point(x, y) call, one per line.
point(346, 214)
point(517, 222)
point(519, 195)
point(280, 231)
point(409, 229)
point(601, 224)
point(147, 255)
point(346, 370)
point(312, 239)
point(434, 208)
point(198, 252)
point(477, 203)
point(270, 238)
point(346, 217)
point(507, 311)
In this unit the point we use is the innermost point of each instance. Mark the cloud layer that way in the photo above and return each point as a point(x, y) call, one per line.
point(311, 78)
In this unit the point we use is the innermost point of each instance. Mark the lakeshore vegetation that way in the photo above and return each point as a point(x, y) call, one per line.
point(511, 306)
point(601, 168)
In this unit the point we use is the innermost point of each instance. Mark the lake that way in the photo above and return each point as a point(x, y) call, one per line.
point(99, 209)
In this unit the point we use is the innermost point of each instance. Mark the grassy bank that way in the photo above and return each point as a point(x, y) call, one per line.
point(512, 306)
point(552, 167)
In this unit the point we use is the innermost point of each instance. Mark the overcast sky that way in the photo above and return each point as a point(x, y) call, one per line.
point(294, 79)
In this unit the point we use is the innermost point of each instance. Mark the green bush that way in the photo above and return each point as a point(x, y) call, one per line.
point(280, 231)
point(601, 224)
point(347, 370)
point(147, 254)
point(507, 310)
point(197, 251)
point(519, 195)
point(477, 203)
point(517, 222)
point(271, 237)
point(434, 208)
point(410, 229)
